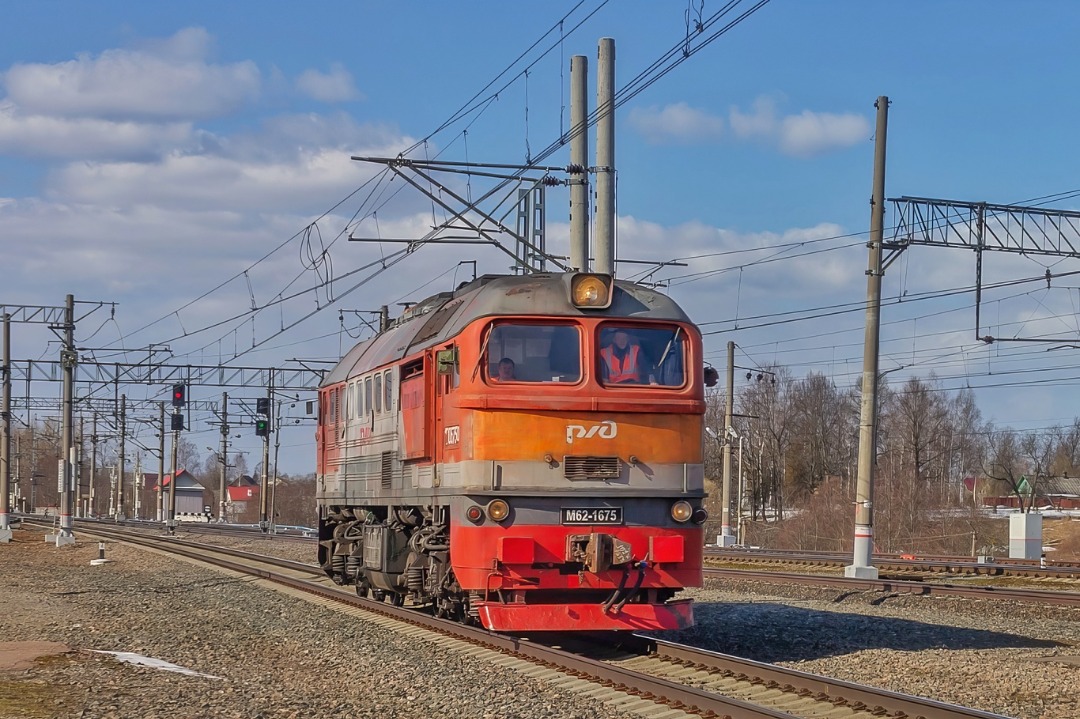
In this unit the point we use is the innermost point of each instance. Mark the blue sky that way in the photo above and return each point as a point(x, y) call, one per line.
point(150, 152)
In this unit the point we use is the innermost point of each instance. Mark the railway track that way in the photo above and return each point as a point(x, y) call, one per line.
point(651, 677)
point(901, 586)
point(901, 564)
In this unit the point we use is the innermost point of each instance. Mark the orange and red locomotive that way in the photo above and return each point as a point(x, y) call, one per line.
point(524, 452)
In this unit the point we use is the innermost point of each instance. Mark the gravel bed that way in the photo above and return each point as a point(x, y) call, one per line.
point(1013, 659)
point(1017, 660)
point(275, 656)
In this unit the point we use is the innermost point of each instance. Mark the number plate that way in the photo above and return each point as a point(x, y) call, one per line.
point(592, 515)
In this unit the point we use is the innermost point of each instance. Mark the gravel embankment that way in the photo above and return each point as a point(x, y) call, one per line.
point(1017, 660)
point(1013, 659)
point(276, 656)
point(281, 657)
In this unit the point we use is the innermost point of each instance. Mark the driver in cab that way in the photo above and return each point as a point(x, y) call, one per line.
point(623, 362)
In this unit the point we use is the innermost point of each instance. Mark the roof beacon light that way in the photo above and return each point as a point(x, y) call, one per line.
point(591, 291)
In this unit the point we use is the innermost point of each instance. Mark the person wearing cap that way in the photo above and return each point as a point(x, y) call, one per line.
point(622, 361)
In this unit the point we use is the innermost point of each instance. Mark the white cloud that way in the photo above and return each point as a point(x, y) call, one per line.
point(802, 135)
point(334, 86)
point(760, 122)
point(812, 133)
point(296, 163)
point(86, 138)
point(678, 123)
point(166, 80)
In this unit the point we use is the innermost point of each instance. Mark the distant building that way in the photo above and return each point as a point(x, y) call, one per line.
point(242, 490)
point(1057, 492)
point(189, 493)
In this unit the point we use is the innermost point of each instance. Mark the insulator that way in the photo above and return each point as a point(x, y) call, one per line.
point(575, 169)
point(549, 181)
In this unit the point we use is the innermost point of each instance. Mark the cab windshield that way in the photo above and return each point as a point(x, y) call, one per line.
point(515, 352)
point(631, 355)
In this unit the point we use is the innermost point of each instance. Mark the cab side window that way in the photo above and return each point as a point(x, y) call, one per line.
point(519, 352)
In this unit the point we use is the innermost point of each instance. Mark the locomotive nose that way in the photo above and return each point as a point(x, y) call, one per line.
point(597, 551)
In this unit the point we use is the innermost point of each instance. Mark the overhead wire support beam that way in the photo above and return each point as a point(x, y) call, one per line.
point(98, 404)
point(423, 168)
point(986, 227)
point(292, 379)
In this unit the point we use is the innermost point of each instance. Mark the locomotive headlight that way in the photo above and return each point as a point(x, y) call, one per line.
point(498, 510)
point(681, 511)
point(587, 290)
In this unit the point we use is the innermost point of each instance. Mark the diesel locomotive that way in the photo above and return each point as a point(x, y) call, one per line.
point(524, 453)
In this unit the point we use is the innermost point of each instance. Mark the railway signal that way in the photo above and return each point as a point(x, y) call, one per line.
point(262, 405)
point(179, 395)
point(262, 427)
point(178, 422)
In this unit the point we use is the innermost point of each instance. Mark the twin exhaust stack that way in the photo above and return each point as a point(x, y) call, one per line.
point(605, 161)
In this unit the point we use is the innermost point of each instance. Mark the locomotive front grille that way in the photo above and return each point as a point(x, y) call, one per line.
point(591, 467)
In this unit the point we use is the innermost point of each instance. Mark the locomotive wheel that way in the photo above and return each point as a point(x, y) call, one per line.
point(398, 600)
point(361, 589)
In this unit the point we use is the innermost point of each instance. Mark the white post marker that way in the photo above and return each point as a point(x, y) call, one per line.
point(101, 555)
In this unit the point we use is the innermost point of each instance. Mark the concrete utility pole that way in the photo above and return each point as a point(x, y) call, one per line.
point(5, 436)
point(264, 491)
point(18, 474)
point(93, 463)
point(68, 360)
point(136, 487)
point(170, 516)
point(726, 538)
point(80, 459)
point(223, 495)
point(160, 509)
point(738, 500)
point(604, 244)
point(861, 566)
point(122, 462)
point(277, 446)
point(579, 163)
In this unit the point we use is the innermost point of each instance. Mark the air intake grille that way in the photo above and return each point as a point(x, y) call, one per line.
point(591, 467)
point(387, 474)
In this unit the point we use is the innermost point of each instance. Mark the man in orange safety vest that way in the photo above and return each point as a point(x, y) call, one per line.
point(622, 360)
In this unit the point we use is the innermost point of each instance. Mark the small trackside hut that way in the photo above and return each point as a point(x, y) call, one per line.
point(525, 453)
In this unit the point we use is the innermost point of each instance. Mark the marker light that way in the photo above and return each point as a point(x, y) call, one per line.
point(474, 514)
point(700, 515)
point(681, 511)
point(498, 510)
point(588, 290)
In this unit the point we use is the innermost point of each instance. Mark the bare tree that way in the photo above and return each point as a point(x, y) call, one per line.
point(1006, 463)
point(765, 405)
point(822, 423)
